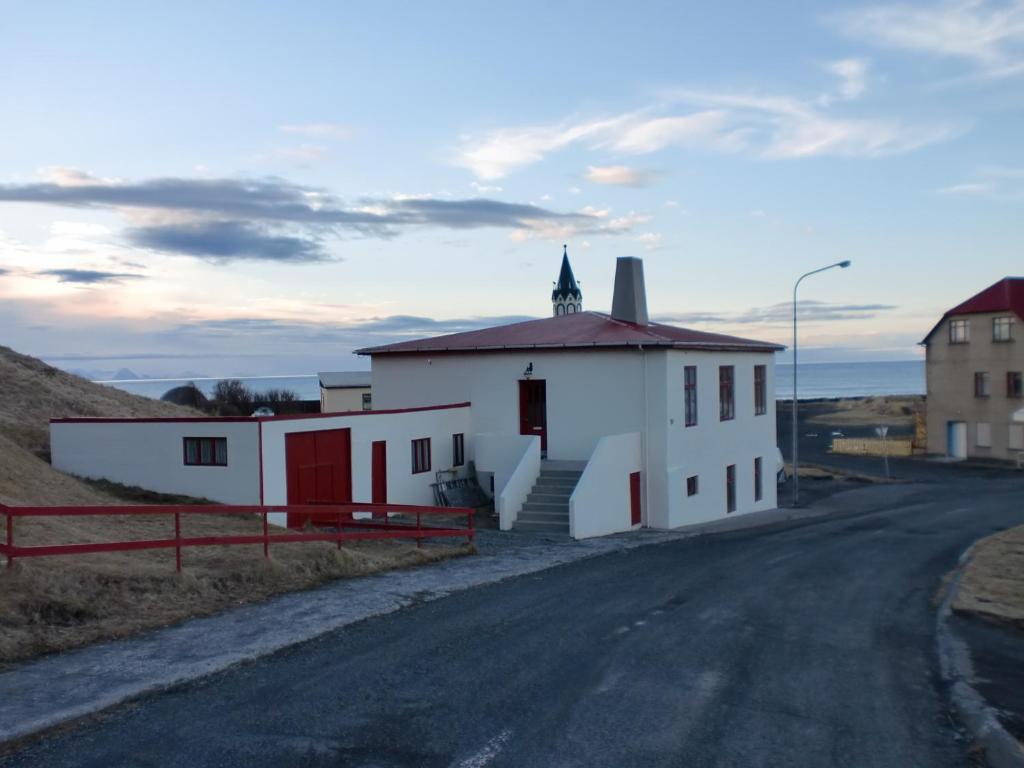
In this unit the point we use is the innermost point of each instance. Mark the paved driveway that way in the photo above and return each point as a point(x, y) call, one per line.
point(810, 643)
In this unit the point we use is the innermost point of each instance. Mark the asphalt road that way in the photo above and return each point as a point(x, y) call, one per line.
point(807, 643)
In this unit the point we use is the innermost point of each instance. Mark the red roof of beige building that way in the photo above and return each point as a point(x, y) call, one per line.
point(586, 330)
point(1005, 296)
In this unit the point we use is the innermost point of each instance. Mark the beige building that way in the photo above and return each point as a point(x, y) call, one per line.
point(975, 365)
point(345, 391)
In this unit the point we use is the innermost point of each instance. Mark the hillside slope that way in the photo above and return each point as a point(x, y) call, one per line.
point(34, 392)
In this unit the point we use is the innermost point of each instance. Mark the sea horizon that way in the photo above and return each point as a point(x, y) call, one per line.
point(818, 380)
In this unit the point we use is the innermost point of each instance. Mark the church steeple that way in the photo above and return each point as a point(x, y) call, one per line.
point(566, 298)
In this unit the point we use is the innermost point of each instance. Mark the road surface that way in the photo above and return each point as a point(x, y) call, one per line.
point(807, 643)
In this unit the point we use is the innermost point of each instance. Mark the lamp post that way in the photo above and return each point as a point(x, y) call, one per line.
point(796, 471)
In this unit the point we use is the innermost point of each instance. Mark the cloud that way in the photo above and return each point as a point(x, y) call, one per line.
point(484, 189)
point(651, 240)
point(782, 313)
point(270, 218)
point(4, 271)
point(988, 36)
point(852, 74)
point(89, 276)
point(997, 182)
point(719, 121)
point(619, 175)
point(318, 130)
point(225, 241)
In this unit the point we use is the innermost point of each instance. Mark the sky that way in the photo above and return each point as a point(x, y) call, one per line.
point(257, 188)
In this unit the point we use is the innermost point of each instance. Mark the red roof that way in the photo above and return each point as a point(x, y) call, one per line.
point(1005, 296)
point(585, 330)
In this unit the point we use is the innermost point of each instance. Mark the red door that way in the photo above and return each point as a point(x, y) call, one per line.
point(634, 498)
point(318, 467)
point(533, 410)
point(379, 474)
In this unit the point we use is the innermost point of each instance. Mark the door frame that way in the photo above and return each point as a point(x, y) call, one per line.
point(526, 424)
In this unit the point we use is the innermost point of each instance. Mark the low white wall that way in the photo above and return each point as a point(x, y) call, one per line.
point(396, 429)
point(600, 504)
point(149, 454)
point(514, 460)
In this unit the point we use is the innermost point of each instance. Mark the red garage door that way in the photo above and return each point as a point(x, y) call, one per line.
point(319, 469)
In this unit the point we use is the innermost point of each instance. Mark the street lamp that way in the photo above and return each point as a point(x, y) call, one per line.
point(796, 471)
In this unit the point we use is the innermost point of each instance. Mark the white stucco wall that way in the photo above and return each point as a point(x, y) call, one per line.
point(677, 451)
point(590, 394)
point(398, 429)
point(594, 393)
point(514, 461)
point(149, 454)
point(601, 502)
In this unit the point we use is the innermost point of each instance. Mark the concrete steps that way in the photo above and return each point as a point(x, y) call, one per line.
point(547, 507)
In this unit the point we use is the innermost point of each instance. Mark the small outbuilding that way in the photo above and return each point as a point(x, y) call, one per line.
point(345, 391)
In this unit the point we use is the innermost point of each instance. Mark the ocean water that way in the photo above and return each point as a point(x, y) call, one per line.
point(307, 387)
point(816, 380)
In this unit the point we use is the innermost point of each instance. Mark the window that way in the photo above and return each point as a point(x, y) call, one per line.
point(730, 488)
point(983, 435)
point(981, 384)
point(726, 393)
point(760, 398)
point(691, 486)
point(205, 451)
point(959, 331)
point(421, 455)
point(690, 392)
point(1016, 441)
point(1002, 329)
point(758, 490)
point(367, 401)
point(1014, 385)
point(458, 450)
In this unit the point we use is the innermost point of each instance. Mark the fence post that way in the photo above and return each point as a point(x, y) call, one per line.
point(469, 514)
point(177, 541)
point(339, 528)
point(419, 531)
point(10, 538)
point(266, 536)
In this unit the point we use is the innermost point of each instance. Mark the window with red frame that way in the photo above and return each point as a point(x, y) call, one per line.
point(726, 392)
point(421, 455)
point(760, 391)
point(690, 393)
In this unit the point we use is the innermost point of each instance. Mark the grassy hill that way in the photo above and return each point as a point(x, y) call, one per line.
point(55, 603)
point(32, 393)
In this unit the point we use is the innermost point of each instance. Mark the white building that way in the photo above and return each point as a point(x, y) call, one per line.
point(342, 391)
point(587, 422)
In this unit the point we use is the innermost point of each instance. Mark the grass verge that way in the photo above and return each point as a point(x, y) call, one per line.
point(992, 585)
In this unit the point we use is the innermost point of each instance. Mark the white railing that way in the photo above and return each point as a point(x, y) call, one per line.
point(601, 504)
point(514, 461)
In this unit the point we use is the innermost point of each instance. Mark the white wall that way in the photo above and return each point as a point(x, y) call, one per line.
point(601, 502)
point(707, 448)
point(149, 454)
point(398, 429)
point(514, 461)
point(590, 393)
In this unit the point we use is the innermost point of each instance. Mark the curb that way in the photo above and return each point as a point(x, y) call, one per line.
point(1001, 749)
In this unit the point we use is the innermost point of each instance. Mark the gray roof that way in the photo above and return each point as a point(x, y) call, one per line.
point(344, 379)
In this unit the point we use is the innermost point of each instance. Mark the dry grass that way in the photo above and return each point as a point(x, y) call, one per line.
point(866, 411)
point(34, 392)
point(57, 603)
point(993, 581)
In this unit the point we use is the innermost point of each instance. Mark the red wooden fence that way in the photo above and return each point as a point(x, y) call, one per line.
point(339, 515)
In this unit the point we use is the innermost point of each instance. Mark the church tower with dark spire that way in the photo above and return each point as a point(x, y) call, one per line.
point(566, 298)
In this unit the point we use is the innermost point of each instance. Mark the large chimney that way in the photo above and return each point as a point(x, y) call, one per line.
point(629, 303)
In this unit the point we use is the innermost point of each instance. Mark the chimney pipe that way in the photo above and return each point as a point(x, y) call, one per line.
point(629, 303)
